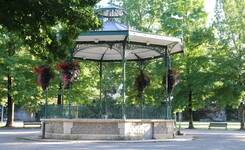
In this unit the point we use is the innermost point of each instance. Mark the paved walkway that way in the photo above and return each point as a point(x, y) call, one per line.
point(26, 139)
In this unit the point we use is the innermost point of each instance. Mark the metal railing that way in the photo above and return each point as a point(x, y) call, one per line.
point(111, 112)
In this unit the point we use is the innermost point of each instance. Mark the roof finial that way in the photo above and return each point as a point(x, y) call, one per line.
point(111, 2)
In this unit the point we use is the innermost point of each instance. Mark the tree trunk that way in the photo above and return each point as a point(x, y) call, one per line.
point(59, 99)
point(10, 111)
point(59, 95)
point(32, 116)
point(241, 116)
point(191, 126)
point(2, 114)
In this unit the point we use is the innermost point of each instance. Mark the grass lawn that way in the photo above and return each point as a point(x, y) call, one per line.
point(204, 125)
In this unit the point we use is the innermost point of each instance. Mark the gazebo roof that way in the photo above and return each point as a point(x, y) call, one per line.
point(108, 43)
point(111, 10)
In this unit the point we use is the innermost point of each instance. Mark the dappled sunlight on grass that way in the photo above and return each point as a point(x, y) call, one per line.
point(15, 124)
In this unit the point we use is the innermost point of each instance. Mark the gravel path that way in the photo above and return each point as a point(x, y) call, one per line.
point(13, 139)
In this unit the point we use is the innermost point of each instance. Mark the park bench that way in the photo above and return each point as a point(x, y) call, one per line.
point(217, 124)
point(31, 123)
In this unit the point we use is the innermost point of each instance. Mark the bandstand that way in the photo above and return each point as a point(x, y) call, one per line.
point(116, 42)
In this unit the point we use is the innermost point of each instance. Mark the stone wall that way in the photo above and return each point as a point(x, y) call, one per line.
point(54, 127)
point(94, 128)
point(108, 129)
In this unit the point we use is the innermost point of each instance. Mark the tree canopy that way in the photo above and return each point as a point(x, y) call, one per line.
point(211, 69)
point(48, 27)
point(229, 52)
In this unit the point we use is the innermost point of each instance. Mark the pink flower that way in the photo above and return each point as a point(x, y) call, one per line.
point(39, 80)
point(64, 77)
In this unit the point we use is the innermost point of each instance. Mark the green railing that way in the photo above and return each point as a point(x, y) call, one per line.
point(111, 112)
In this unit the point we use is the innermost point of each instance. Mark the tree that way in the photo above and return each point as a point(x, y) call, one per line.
point(229, 52)
point(9, 47)
point(188, 19)
point(178, 18)
point(48, 27)
point(143, 15)
point(85, 90)
point(15, 85)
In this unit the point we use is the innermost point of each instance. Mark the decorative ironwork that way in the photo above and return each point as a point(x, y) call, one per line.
point(81, 47)
point(131, 47)
point(171, 46)
point(110, 46)
point(112, 111)
point(119, 48)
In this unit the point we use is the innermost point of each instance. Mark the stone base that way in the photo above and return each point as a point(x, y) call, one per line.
point(107, 129)
point(91, 137)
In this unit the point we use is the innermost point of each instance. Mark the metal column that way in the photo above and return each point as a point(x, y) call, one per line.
point(100, 89)
point(124, 83)
point(69, 101)
point(46, 103)
point(69, 93)
point(62, 100)
point(166, 59)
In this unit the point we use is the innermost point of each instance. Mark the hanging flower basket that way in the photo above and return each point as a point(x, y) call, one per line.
point(69, 72)
point(142, 81)
point(45, 74)
point(172, 80)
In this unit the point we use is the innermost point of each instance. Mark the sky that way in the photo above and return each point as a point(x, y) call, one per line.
point(209, 6)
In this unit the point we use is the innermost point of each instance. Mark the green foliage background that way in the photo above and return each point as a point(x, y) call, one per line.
point(212, 67)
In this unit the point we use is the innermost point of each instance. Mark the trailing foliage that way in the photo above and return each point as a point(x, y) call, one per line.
point(142, 81)
point(69, 71)
point(45, 74)
point(172, 80)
